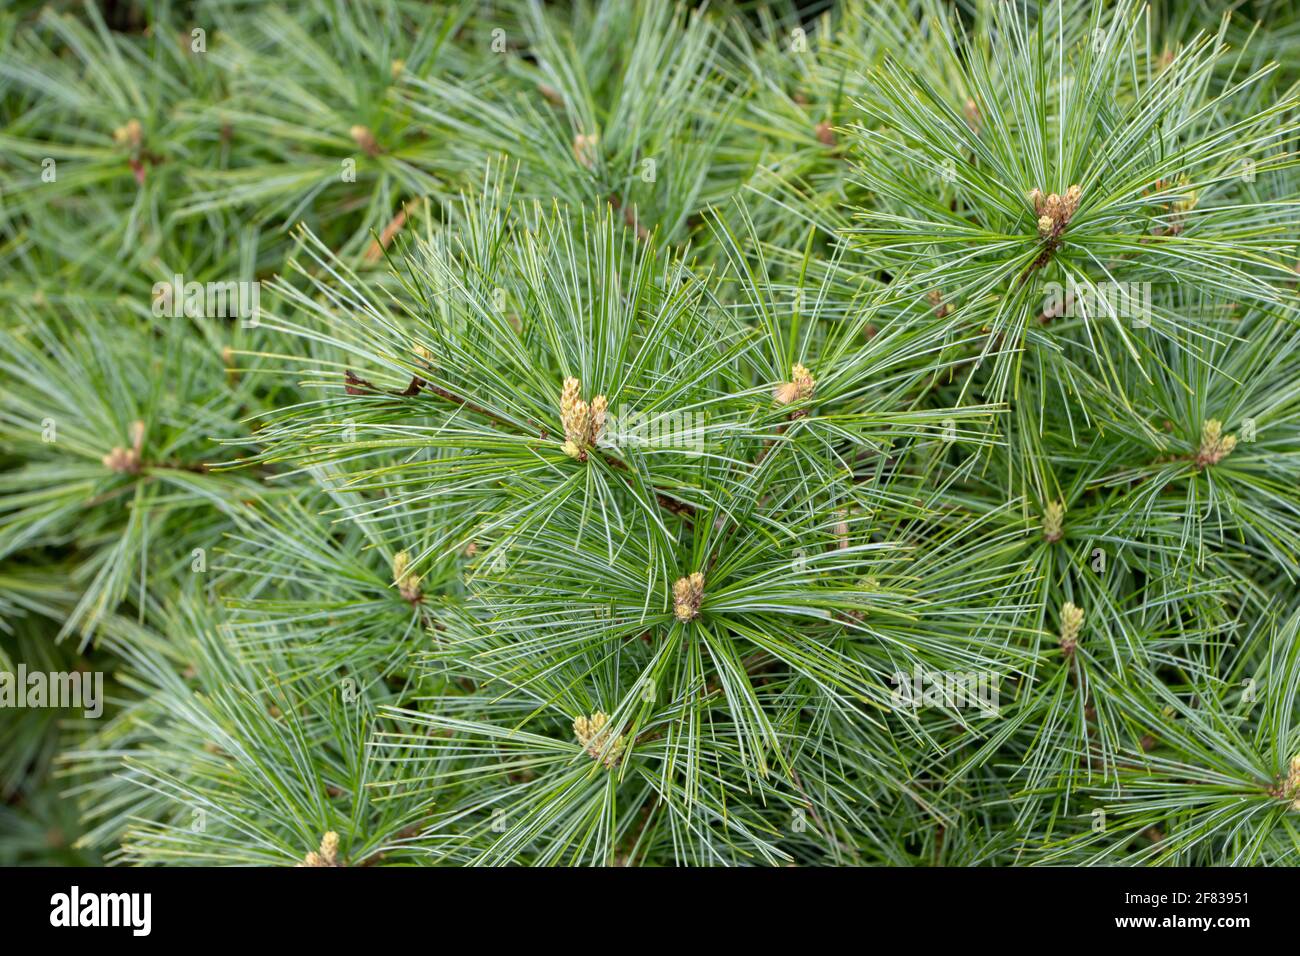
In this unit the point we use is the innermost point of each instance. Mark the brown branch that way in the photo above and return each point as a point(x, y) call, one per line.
point(377, 246)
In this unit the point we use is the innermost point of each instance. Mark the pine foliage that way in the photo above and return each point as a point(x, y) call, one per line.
point(718, 435)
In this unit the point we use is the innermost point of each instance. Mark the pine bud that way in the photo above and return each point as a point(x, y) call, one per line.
point(599, 410)
point(570, 396)
point(130, 135)
point(1071, 622)
point(583, 423)
point(1054, 212)
point(1215, 446)
point(408, 583)
point(594, 737)
point(1186, 201)
point(935, 298)
point(800, 386)
point(688, 592)
point(825, 133)
point(362, 136)
point(1291, 787)
point(584, 148)
point(127, 461)
point(1054, 521)
point(576, 427)
point(327, 855)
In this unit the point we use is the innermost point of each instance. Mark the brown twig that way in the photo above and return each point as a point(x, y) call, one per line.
point(395, 225)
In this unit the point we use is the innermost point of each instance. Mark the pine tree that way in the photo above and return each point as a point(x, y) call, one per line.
point(658, 435)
